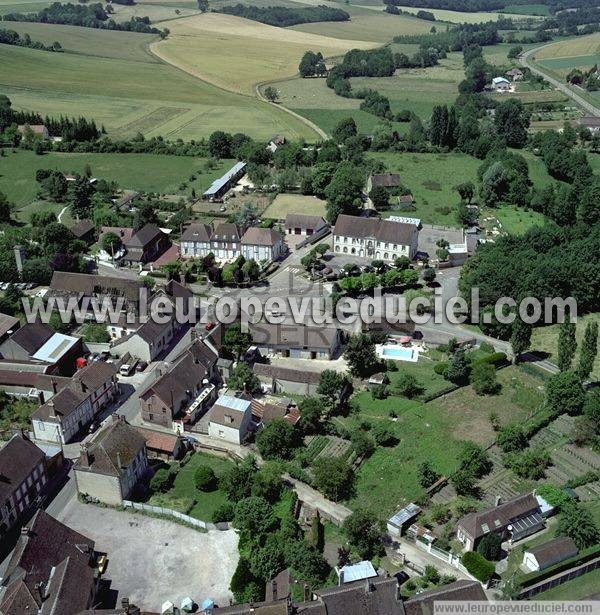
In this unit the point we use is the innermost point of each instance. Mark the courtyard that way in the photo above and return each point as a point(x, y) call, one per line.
point(153, 560)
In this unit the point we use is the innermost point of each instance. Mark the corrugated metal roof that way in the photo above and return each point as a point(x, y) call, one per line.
point(358, 572)
point(404, 515)
point(233, 403)
point(57, 346)
point(219, 183)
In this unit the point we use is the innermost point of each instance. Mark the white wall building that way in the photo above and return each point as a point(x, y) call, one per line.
point(375, 238)
point(230, 419)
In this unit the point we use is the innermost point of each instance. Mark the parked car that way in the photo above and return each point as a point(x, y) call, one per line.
point(141, 366)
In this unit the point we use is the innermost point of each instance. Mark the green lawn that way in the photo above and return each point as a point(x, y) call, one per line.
point(115, 81)
point(432, 432)
point(515, 220)
point(545, 339)
point(423, 371)
point(431, 178)
point(146, 172)
point(184, 490)
point(526, 9)
point(577, 589)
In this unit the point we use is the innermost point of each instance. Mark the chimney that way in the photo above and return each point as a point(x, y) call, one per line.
point(83, 386)
point(274, 589)
point(24, 531)
point(51, 410)
point(341, 576)
point(54, 386)
point(125, 605)
point(85, 457)
point(39, 588)
point(41, 397)
point(498, 500)
point(306, 593)
point(119, 464)
point(182, 279)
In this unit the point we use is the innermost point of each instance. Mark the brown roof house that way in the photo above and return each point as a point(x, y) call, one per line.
point(549, 553)
point(145, 245)
point(184, 393)
point(225, 242)
point(262, 245)
point(23, 480)
point(302, 224)
point(512, 520)
point(100, 287)
point(383, 180)
point(52, 571)
point(374, 238)
point(75, 406)
point(113, 463)
point(285, 380)
point(195, 240)
point(230, 419)
point(84, 230)
point(38, 130)
point(459, 591)
point(296, 340)
point(161, 445)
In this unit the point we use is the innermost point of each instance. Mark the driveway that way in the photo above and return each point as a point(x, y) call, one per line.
point(152, 560)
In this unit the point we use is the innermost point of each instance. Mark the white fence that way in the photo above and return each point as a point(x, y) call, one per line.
point(449, 558)
point(159, 510)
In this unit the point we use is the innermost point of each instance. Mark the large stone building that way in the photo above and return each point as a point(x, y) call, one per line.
point(184, 393)
point(375, 238)
point(112, 464)
point(74, 407)
point(53, 570)
point(195, 240)
point(23, 480)
point(262, 245)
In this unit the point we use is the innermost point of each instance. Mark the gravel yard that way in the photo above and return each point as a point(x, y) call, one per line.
point(153, 560)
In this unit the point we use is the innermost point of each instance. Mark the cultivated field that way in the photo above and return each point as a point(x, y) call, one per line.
point(125, 89)
point(579, 46)
point(366, 25)
point(235, 53)
point(532, 96)
point(462, 17)
point(155, 11)
point(25, 6)
point(294, 203)
point(145, 172)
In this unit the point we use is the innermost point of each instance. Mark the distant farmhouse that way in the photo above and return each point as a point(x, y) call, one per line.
point(374, 238)
point(39, 130)
point(500, 84)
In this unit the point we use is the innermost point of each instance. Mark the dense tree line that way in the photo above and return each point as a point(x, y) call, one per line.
point(10, 37)
point(86, 15)
point(457, 37)
point(473, 6)
point(284, 16)
point(543, 262)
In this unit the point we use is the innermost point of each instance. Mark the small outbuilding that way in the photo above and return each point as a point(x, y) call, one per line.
point(550, 553)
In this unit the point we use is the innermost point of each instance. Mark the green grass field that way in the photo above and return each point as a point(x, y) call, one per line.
point(515, 220)
point(294, 203)
point(433, 432)
point(184, 490)
point(431, 178)
point(526, 9)
point(545, 339)
point(111, 78)
point(463, 17)
point(577, 589)
point(145, 172)
point(366, 25)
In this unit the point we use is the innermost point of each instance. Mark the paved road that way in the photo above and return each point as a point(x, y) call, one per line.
point(563, 87)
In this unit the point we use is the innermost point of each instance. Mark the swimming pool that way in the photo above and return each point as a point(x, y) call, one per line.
point(396, 352)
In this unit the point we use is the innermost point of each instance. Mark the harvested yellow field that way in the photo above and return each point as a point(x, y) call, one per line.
point(365, 24)
point(236, 54)
point(578, 46)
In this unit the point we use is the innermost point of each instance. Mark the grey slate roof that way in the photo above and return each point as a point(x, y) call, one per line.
point(476, 524)
point(554, 551)
point(32, 336)
point(18, 458)
point(114, 448)
point(256, 236)
point(197, 231)
point(381, 230)
point(423, 604)
point(144, 236)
